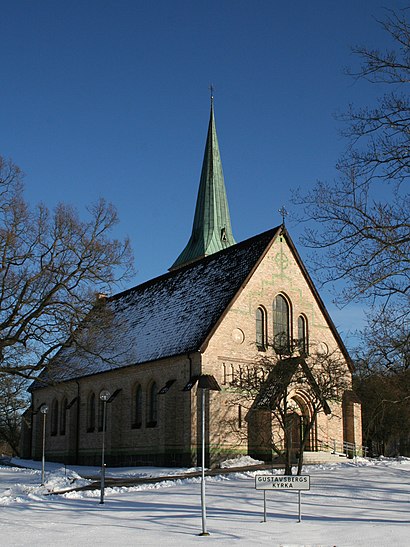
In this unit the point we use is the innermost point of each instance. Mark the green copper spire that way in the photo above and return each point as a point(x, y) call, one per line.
point(211, 231)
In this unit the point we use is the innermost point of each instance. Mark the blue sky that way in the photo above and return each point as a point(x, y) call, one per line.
point(110, 98)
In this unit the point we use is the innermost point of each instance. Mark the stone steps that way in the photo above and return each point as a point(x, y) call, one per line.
point(323, 457)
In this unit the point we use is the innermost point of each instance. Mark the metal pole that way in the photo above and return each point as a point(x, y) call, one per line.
point(103, 454)
point(43, 458)
point(204, 531)
point(264, 506)
point(300, 508)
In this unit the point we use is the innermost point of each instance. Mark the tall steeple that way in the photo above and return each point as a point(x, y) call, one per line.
point(211, 231)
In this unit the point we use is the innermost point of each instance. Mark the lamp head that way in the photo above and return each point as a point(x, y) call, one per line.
point(105, 395)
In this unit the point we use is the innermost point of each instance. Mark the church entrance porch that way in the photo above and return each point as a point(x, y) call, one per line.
point(273, 434)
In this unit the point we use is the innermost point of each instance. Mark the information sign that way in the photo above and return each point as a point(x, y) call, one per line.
point(282, 482)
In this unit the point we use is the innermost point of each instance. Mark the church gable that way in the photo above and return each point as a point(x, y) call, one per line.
point(278, 286)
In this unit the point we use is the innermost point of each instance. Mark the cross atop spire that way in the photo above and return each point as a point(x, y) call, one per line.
point(211, 230)
point(211, 89)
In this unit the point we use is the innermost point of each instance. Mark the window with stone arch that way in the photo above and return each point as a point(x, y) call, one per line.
point(303, 344)
point(63, 416)
point(261, 328)
point(281, 325)
point(152, 406)
point(136, 419)
point(54, 417)
point(91, 412)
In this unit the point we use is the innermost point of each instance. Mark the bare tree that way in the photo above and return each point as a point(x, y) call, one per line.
point(363, 217)
point(387, 343)
point(382, 381)
point(386, 417)
point(272, 388)
point(52, 265)
point(13, 400)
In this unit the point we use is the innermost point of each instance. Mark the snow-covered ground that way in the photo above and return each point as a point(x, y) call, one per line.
point(367, 504)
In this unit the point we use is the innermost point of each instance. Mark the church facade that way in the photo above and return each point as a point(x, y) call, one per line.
point(218, 311)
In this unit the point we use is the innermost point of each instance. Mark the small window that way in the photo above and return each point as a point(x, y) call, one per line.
point(54, 417)
point(137, 407)
point(228, 374)
point(152, 405)
point(91, 413)
point(281, 334)
point(63, 416)
point(302, 335)
point(261, 329)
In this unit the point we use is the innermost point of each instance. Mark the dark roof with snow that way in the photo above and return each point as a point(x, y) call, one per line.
point(168, 316)
point(172, 314)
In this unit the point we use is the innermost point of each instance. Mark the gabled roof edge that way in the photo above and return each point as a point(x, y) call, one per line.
point(175, 272)
point(275, 232)
point(318, 298)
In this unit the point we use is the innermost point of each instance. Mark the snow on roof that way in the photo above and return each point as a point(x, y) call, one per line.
point(167, 316)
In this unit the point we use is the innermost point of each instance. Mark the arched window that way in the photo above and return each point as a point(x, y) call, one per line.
point(261, 329)
point(152, 405)
point(91, 412)
point(281, 334)
point(302, 335)
point(63, 416)
point(137, 407)
point(54, 417)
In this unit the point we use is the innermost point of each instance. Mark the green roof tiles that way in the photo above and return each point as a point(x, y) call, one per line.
point(211, 231)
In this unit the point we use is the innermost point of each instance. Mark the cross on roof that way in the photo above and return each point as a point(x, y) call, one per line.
point(284, 213)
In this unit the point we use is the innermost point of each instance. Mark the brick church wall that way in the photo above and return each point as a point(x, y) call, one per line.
point(168, 441)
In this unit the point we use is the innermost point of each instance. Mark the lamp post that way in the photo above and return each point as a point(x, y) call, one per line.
point(104, 396)
point(205, 382)
point(43, 410)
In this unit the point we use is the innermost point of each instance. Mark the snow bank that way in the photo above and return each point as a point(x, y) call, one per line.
point(240, 461)
point(56, 481)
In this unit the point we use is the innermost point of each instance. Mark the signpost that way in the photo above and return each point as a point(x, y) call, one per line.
point(296, 483)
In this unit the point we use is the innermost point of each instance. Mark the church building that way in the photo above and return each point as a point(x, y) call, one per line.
point(222, 310)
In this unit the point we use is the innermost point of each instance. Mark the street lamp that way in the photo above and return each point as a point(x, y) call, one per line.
point(43, 410)
point(104, 396)
point(205, 382)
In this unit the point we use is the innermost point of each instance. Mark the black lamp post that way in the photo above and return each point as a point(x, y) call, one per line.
point(43, 410)
point(104, 396)
point(205, 382)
